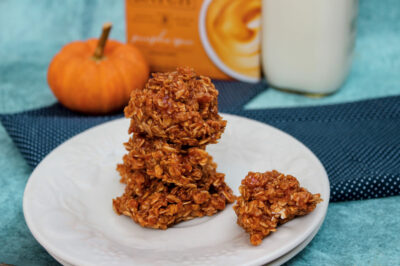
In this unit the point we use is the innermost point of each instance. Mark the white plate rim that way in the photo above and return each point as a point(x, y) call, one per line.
point(260, 260)
point(279, 261)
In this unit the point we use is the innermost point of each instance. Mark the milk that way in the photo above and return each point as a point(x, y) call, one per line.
point(307, 44)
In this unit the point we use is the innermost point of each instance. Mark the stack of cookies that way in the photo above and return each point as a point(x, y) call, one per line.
point(169, 176)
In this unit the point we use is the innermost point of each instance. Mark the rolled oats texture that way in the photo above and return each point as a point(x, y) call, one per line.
point(270, 199)
point(178, 106)
point(169, 176)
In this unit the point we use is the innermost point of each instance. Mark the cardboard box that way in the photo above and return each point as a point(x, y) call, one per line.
point(218, 38)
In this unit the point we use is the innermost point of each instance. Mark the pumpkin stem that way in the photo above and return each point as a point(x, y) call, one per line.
point(98, 53)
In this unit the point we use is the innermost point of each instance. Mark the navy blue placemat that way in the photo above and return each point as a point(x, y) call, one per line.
point(39, 131)
point(358, 143)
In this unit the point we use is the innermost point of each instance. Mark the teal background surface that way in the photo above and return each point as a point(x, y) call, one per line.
point(31, 32)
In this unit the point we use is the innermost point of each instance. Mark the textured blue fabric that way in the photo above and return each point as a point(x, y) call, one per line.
point(358, 142)
point(354, 232)
point(39, 131)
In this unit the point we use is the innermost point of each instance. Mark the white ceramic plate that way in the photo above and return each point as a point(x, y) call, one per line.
point(67, 202)
point(279, 261)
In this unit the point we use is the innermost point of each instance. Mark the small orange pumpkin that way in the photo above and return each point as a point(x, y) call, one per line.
point(96, 76)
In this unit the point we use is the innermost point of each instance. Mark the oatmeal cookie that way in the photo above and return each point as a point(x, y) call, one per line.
point(202, 178)
point(178, 106)
point(270, 199)
point(168, 162)
point(159, 205)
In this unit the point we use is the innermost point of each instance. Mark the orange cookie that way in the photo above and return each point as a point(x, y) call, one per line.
point(270, 199)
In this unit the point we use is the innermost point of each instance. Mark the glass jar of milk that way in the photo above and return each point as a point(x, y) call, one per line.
point(307, 45)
